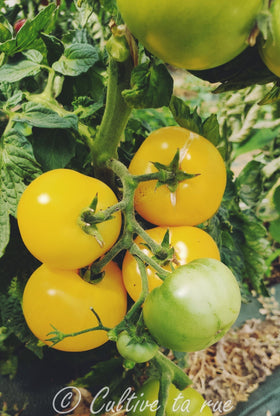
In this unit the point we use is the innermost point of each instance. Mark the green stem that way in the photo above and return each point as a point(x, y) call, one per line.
point(169, 373)
point(115, 116)
point(156, 248)
point(136, 251)
point(177, 376)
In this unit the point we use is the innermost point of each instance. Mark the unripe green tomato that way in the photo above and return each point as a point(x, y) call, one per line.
point(270, 49)
point(180, 403)
point(194, 307)
point(191, 34)
point(138, 352)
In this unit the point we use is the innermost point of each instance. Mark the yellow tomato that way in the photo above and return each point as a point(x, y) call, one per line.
point(189, 243)
point(195, 200)
point(48, 214)
point(63, 299)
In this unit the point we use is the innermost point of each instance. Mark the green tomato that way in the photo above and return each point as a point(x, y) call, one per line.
point(133, 350)
point(270, 48)
point(194, 307)
point(179, 403)
point(191, 34)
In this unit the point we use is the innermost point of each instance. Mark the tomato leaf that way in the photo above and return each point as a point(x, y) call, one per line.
point(77, 59)
point(30, 31)
point(242, 241)
point(12, 317)
point(17, 165)
point(249, 183)
point(183, 116)
point(55, 150)
point(152, 86)
point(208, 128)
point(38, 116)
point(54, 47)
point(16, 71)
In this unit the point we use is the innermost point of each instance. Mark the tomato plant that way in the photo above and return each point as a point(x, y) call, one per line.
point(48, 214)
point(61, 299)
point(270, 47)
point(85, 101)
point(194, 307)
point(191, 35)
point(179, 403)
point(196, 199)
point(136, 349)
point(189, 243)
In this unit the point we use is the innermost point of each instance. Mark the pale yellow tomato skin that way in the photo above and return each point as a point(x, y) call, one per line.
point(195, 200)
point(61, 298)
point(48, 213)
point(192, 34)
point(189, 243)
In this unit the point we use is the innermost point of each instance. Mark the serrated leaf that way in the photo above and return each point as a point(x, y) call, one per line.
point(183, 116)
point(53, 150)
point(13, 319)
point(17, 165)
point(38, 116)
point(77, 59)
point(151, 86)
point(249, 183)
point(14, 72)
point(15, 99)
point(30, 31)
point(211, 130)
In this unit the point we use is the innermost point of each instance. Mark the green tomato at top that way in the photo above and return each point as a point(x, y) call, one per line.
point(270, 48)
point(191, 34)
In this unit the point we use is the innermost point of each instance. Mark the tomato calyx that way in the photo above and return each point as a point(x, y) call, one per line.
point(89, 218)
point(171, 175)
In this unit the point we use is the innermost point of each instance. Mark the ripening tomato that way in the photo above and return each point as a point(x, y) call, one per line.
point(195, 200)
point(270, 48)
point(179, 403)
point(191, 34)
point(194, 307)
point(61, 298)
point(48, 214)
point(189, 243)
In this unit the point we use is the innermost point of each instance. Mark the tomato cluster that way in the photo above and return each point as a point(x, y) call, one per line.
point(55, 296)
point(58, 219)
point(200, 300)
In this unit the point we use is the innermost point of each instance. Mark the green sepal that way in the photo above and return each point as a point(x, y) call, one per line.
point(171, 175)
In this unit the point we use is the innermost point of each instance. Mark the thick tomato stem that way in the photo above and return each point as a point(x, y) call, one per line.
point(115, 116)
point(169, 373)
point(131, 226)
